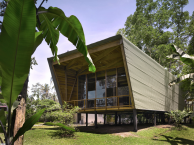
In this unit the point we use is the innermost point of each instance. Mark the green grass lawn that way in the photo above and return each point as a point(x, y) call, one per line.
point(45, 135)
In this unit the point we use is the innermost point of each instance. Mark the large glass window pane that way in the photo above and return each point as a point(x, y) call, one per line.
point(100, 102)
point(90, 103)
point(111, 82)
point(100, 84)
point(112, 101)
point(123, 88)
point(81, 104)
point(82, 87)
point(91, 86)
point(124, 100)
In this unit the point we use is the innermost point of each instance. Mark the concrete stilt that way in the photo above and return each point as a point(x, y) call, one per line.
point(104, 119)
point(154, 118)
point(135, 119)
point(119, 119)
point(115, 118)
point(86, 119)
point(96, 119)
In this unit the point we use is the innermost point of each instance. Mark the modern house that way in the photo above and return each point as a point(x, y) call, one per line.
point(127, 81)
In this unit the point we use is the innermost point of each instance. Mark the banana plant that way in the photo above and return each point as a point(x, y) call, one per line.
point(18, 41)
point(186, 59)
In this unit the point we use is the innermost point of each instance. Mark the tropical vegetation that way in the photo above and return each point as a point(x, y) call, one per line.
point(19, 39)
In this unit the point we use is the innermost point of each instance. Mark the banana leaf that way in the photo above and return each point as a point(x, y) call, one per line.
point(16, 47)
point(70, 27)
point(179, 54)
point(28, 124)
point(187, 76)
point(38, 40)
point(60, 125)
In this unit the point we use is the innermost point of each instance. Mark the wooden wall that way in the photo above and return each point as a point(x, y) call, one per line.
point(66, 88)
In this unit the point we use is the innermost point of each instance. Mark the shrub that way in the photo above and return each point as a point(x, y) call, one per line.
point(178, 116)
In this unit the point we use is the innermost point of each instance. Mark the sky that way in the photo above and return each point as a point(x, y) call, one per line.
point(100, 20)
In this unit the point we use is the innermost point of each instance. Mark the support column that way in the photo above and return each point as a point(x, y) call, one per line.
point(190, 120)
point(119, 119)
point(159, 118)
point(135, 119)
point(96, 119)
point(154, 118)
point(78, 117)
point(104, 119)
point(146, 115)
point(86, 119)
point(115, 118)
point(163, 118)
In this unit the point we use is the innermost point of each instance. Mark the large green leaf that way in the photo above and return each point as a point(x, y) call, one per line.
point(50, 34)
point(179, 54)
point(16, 47)
point(38, 39)
point(28, 124)
point(3, 120)
point(69, 27)
point(187, 76)
point(61, 125)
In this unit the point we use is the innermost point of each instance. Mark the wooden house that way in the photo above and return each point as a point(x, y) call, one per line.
point(126, 81)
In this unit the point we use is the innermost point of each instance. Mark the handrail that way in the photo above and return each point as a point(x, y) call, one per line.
point(94, 105)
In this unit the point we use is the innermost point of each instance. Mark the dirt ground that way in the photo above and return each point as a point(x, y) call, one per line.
point(120, 130)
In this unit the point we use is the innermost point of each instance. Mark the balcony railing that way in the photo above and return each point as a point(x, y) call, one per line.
point(103, 103)
point(190, 107)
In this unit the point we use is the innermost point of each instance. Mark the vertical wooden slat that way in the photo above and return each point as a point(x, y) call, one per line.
point(86, 91)
point(77, 85)
point(73, 86)
point(106, 88)
point(58, 84)
point(65, 84)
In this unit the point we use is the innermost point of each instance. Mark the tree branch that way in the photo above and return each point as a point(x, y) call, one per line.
point(41, 4)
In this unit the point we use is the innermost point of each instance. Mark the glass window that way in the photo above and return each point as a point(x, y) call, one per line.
point(82, 87)
point(100, 84)
point(91, 86)
point(100, 102)
point(123, 88)
point(111, 82)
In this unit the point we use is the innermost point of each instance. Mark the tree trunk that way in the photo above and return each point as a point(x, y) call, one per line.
point(20, 113)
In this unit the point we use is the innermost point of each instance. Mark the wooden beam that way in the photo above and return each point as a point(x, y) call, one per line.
point(58, 85)
point(93, 50)
point(73, 87)
point(70, 64)
point(106, 66)
point(127, 75)
point(98, 58)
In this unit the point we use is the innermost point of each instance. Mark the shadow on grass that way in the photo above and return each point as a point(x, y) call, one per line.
point(190, 125)
point(176, 141)
point(110, 129)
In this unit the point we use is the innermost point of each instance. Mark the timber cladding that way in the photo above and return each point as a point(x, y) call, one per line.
point(147, 80)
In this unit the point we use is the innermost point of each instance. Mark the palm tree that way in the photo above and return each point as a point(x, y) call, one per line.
point(45, 91)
